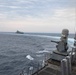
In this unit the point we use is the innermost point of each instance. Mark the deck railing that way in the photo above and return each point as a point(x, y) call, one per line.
point(66, 63)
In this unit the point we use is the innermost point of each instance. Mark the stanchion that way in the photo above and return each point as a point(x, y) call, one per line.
point(64, 68)
point(69, 64)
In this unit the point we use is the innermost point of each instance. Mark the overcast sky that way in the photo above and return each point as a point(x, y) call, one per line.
point(37, 15)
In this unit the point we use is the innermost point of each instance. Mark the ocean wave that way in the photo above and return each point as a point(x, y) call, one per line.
point(7, 68)
point(29, 57)
point(44, 51)
point(3, 56)
point(40, 55)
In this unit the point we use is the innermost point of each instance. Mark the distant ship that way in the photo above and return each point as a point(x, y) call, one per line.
point(19, 32)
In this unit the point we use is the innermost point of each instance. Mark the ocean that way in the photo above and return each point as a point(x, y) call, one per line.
point(20, 52)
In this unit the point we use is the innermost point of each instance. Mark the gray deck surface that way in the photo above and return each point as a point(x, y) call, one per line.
point(49, 70)
point(53, 69)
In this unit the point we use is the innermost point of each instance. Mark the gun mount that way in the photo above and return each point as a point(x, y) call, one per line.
point(62, 46)
point(55, 41)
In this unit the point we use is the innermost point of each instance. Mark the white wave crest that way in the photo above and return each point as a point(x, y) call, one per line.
point(44, 51)
point(29, 57)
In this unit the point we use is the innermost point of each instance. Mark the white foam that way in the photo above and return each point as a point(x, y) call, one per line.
point(44, 51)
point(40, 55)
point(29, 57)
point(71, 42)
point(31, 68)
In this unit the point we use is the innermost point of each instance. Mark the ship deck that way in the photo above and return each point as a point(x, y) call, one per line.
point(54, 68)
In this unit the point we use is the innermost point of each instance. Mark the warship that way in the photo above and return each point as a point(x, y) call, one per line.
point(62, 61)
point(19, 32)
